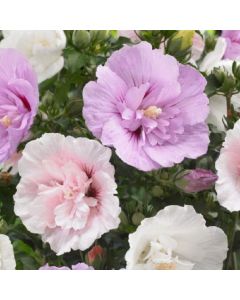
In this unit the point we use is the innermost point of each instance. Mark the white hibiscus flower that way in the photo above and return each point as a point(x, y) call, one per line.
point(176, 238)
point(7, 260)
point(43, 48)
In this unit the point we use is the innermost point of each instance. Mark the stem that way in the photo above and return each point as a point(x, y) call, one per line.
point(232, 256)
point(235, 266)
point(229, 106)
point(235, 262)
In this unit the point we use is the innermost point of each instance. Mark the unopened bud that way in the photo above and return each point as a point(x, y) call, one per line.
point(193, 181)
point(99, 35)
point(186, 37)
point(95, 255)
point(81, 38)
point(137, 218)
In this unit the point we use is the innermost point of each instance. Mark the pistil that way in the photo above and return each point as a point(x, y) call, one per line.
point(152, 112)
point(6, 121)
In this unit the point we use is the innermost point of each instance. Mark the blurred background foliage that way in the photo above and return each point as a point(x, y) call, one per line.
point(141, 194)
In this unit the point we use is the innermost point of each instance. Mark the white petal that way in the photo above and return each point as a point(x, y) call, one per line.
point(212, 58)
point(202, 247)
point(7, 260)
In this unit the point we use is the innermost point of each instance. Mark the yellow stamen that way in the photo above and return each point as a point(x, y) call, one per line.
point(152, 112)
point(165, 266)
point(6, 121)
point(68, 193)
point(44, 43)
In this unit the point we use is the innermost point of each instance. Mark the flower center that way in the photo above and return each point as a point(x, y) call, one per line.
point(160, 256)
point(71, 192)
point(44, 43)
point(6, 121)
point(165, 266)
point(152, 112)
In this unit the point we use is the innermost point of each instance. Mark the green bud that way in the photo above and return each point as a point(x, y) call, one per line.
point(123, 218)
point(81, 39)
point(137, 218)
point(3, 226)
point(210, 42)
point(164, 175)
point(227, 81)
point(157, 191)
point(219, 74)
point(174, 45)
point(228, 84)
point(74, 108)
point(236, 70)
point(186, 37)
point(99, 35)
point(180, 47)
point(211, 32)
point(204, 162)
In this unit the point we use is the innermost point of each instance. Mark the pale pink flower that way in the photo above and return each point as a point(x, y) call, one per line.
point(67, 191)
point(228, 170)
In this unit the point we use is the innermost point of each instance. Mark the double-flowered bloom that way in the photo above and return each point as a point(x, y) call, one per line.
point(149, 107)
point(177, 238)
point(18, 100)
point(67, 191)
point(232, 38)
point(228, 170)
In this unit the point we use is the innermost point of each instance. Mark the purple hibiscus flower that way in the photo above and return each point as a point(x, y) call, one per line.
point(232, 38)
point(18, 100)
point(149, 107)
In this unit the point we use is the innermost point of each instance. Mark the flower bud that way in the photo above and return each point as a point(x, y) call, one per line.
point(137, 218)
point(179, 46)
point(74, 108)
point(95, 255)
point(193, 181)
point(228, 84)
point(225, 79)
point(99, 35)
point(157, 191)
point(3, 226)
point(81, 38)
point(219, 74)
point(236, 69)
point(123, 218)
point(210, 42)
point(186, 37)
